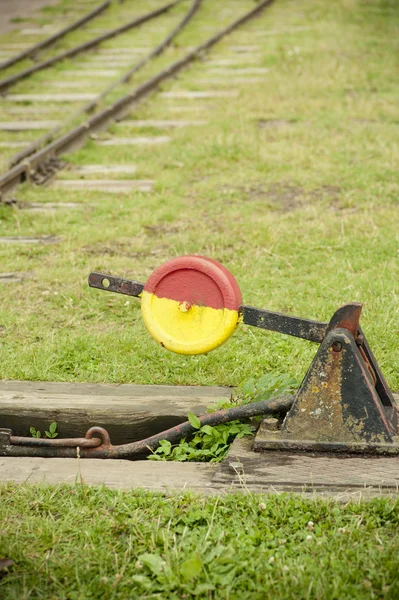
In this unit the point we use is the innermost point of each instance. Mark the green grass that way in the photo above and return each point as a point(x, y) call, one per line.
point(304, 215)
point(78, 542)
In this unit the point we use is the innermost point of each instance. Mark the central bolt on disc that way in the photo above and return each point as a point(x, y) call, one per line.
point(190, 304)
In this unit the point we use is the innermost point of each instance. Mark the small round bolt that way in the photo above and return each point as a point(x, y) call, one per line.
point(184, 306)
point(337, 346)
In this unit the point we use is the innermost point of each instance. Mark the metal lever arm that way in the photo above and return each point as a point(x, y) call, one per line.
point(346, 317)
point(115, 284)
point(313, 331)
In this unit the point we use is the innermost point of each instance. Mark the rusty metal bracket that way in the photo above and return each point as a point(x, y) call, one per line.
point(337, 407)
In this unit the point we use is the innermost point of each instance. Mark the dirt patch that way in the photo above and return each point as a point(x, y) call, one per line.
point(283, 197)
point(280, 123)
point(115, 248)
point(164, 229)
point(274, 123)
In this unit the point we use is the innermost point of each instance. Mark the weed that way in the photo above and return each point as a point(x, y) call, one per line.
point(51, 433)
point(209, 444)
point(264, 388)
point(212, 443)
point(35, 433)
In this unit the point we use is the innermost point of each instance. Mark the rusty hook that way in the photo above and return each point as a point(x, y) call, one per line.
point(103, 433)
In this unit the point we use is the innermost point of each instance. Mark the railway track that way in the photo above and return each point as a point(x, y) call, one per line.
point(76, 61)
point(142, 69)
point(31, 52)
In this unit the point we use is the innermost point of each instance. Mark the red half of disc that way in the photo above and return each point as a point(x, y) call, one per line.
point(197, 280)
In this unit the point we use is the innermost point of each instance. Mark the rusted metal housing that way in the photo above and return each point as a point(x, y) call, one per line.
point(343, 404)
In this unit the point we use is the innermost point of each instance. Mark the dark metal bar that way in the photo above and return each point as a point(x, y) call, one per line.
point(8, 81)
point(33, 50)
point(17, 440)
point(381, 385)
point(115, 284)
point(313, 331)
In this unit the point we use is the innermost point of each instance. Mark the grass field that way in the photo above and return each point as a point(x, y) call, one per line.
point(293, 185)
point(77, 543)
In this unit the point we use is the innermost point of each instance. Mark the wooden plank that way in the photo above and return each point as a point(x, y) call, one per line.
point(230, 81)
point(69, 85)
point(44, 30)
point(12, 277)
point(11, 144)
point(124, 51)
point(199, 94)
point(46, 207)
point(92, 73)
point(244, 49)
point(237, 61)
point(128, 412)
point(328, 474)
point(13, 8)
point(238, 71)
point(189, 108)
point(105, 169)
point(282, 31)
point(344, 478)
point(14, 239)
point(50, 97)
point(24, 110)
point(161, 123)
point(27, 125)
point(120, 474)
point(136, 141)
point(11, 46)
point(105, 185)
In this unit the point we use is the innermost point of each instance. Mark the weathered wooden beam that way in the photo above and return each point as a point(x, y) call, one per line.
point(128, 412)
point(120, 474)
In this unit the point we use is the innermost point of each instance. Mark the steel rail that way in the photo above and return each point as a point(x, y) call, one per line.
point(90, 106)
point(142, 447)
point(23, 171)
point(33, 50)
point(6, 83)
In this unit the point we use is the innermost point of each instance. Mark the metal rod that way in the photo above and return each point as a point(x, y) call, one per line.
point(115, 284)
point(313, 331)
point(142, 447)
point(381, 385)
point(17, 440)
point(32, 50)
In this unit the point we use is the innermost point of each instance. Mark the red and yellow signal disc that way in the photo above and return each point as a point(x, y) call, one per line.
point(190, 304)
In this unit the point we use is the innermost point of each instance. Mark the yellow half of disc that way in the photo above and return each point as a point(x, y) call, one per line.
point(186, 329)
